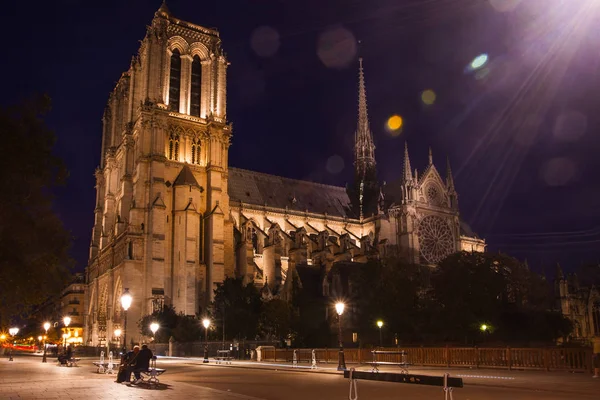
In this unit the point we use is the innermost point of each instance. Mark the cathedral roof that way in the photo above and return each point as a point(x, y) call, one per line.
point(275, 191)
point(186, 177)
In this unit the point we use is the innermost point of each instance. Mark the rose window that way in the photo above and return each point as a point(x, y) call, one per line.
point(436, 241)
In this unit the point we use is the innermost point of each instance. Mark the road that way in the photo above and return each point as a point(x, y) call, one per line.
point(28, 378)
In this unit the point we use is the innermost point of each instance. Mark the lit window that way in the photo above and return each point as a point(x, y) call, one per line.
point(195, 87)
point(173, 147)
point(175, 81)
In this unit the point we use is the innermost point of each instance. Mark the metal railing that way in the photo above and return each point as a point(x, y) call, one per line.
point(543, 359)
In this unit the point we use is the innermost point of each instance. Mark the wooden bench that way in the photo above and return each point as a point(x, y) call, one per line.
point(444, 381)
point(223, 356)
point(403, 364)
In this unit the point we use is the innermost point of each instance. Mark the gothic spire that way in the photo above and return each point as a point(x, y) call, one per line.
point(449, 177)
point(364, 149)
point(430, 156)
point(163, 9)
point(407, 170)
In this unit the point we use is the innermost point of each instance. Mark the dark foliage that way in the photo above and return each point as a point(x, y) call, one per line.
point(183, 328)
point(34, 261)
point(239, 306)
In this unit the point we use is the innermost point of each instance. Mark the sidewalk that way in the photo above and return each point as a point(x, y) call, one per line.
point(553, 381)
point(28, 378)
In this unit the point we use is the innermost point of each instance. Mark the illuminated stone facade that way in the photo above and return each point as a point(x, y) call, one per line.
point(70, 304)
point(581, 305)
point(172, 219)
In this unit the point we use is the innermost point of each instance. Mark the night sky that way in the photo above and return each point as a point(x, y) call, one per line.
point(521, 132)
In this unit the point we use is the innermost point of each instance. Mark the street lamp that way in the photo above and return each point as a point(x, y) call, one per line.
point(206, 323)
point(380, 324)
point(339, 308)
point(47, 326)
point(126, 300)
point(483, 327)
point(13, 332)
point(66, 321)
point(154, 327)
point(117, 334)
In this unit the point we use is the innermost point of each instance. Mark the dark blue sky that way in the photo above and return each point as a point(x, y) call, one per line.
point(521, 133)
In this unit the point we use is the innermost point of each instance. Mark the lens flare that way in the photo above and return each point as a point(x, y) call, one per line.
point(394, 122)
point(428, 97)
point(479, 61)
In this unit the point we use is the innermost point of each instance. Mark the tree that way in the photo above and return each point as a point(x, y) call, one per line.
point(390, 290)
point(276, 319)
point(166, 318)
point(309, 327)
point(238, 305)
point(497, 290)
point(34, 261)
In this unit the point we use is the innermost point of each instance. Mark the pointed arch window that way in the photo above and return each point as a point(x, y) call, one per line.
point(196, 83)
point(173, 147)
point(196, 151)
point(175, 81)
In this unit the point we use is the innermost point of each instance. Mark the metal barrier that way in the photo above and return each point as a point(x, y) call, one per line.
point(548, 359)
point(444, 381)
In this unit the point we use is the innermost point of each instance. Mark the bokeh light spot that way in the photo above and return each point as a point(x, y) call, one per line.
point(569, 126)
point(479, 61)
point(335, 164)
point(336, 47)
point(394, 123)
point(265, 41)
point(428, 97)
point(558, 171)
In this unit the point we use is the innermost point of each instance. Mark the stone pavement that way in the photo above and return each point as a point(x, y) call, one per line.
point(549, 381)
point(28, 378)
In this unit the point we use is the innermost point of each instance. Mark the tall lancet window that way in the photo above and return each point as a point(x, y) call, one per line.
point(195, 86)
point(174, 147)
point(175, 81)
point(196, 151)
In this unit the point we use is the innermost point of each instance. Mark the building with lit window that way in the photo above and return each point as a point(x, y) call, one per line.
point(70, 304)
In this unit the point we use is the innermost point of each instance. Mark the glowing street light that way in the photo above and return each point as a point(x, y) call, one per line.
point(47, 326)
point(339, 308)
point(206, 323)
point(126, 301)
point(380, 324)
point(154, 327)
point(66, 321)
point(483, 327)
point(13, 332)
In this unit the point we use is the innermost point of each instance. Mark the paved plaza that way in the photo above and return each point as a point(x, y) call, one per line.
point(28, 378)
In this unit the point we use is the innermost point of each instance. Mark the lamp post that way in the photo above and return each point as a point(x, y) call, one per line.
point(206, 323)
point(13, 332)
point(339, 308)
point(47, 326)
point(380, 324)
point(126, 300)
point(66, 321)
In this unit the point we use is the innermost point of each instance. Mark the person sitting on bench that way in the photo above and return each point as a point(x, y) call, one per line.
point(142, 362)
point(66, 356)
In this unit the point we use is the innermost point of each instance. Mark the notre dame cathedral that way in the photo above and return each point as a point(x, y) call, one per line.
point(173, 219)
